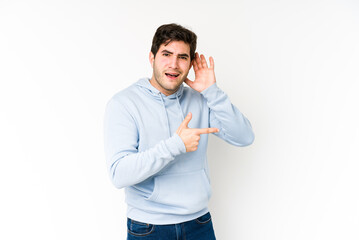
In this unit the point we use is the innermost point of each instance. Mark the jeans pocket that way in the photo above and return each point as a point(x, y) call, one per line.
point(138, 228)
point(204, 219)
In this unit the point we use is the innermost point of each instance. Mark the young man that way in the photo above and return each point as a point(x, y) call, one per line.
point(156, 134)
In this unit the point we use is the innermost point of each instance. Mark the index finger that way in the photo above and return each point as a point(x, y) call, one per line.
point(206, 130)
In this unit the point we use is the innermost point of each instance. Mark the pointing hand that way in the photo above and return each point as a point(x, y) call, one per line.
point(191, 136)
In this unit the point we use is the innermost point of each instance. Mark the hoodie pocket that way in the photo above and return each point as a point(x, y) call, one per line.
point(181, 193)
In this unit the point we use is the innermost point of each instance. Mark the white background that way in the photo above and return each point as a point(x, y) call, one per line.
point(290, 66)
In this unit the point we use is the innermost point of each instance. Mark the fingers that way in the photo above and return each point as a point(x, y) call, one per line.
point(211, 62)
point(206, 130)
point(203, 61)
point(200, 62)
point(195, 66)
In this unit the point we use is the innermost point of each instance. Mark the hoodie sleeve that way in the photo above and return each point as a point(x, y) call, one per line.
point(233, 125)
point(125, 164)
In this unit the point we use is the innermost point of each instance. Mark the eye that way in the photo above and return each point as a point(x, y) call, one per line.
point(183, 57)
point(166, 54)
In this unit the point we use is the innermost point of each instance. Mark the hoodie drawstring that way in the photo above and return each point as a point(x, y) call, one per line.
point(164, 108)
point(179, 106)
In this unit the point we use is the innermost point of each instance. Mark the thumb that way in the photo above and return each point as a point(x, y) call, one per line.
point(186, 120)
point(188, 82)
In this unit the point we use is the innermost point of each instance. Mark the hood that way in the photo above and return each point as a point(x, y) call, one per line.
point(145, 84)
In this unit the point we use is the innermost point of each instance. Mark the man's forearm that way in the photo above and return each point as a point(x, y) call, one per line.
point(234, 127)
point(128, 169)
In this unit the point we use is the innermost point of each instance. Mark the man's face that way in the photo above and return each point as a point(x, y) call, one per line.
point(170, 66)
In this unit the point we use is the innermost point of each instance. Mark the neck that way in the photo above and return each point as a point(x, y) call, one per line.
point(166, 92)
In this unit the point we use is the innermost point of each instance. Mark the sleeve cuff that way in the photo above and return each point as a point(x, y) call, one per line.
point(176, 145)
point(212, 90)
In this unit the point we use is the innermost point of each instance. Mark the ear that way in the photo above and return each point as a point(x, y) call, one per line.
point(151, 58)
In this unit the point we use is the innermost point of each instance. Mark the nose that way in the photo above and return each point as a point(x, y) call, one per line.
point(173, 62)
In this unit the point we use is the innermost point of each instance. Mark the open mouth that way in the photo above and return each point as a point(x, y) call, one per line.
point(172, 75)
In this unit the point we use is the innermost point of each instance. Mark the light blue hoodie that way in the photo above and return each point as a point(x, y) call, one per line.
point(163, 183)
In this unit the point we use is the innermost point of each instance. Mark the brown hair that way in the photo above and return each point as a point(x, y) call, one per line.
point(174, 32)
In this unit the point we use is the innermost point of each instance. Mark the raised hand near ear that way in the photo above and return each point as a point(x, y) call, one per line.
point(191, 136)
point(204, 75)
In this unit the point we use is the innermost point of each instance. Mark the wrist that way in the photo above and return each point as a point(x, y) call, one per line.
point(208, 88)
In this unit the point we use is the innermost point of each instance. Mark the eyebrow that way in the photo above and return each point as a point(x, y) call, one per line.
point(180, 55)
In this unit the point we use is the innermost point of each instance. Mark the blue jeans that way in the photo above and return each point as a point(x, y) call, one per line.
point(198, 229)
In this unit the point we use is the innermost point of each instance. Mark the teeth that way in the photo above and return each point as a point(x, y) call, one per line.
point(172, 75)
